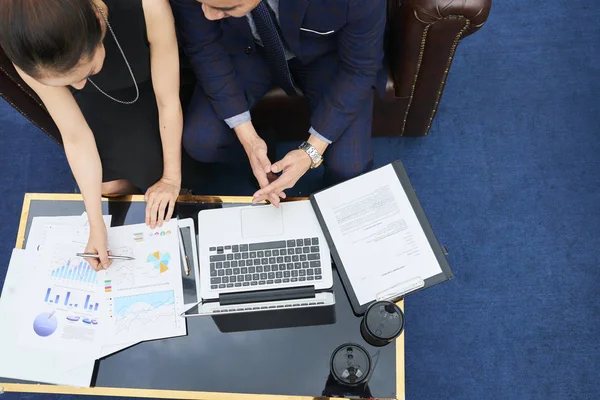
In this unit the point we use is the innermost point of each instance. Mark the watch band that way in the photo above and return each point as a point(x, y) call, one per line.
point(315, 156)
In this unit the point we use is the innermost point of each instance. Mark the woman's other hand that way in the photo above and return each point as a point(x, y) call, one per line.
point(160, 201)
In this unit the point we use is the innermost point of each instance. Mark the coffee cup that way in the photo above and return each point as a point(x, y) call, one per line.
point(382, 323)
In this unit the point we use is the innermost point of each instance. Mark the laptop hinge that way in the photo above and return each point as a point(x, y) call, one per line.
point(302, 292)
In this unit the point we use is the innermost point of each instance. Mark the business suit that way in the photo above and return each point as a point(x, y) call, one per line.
point(338, 48)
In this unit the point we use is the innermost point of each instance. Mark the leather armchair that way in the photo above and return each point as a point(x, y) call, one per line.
point(422, 36)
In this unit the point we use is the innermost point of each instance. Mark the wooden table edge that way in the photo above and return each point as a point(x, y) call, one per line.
point(159, 393)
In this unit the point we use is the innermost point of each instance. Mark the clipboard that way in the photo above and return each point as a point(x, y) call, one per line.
point(398, 291)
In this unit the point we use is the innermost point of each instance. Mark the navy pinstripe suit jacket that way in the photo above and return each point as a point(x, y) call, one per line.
point(312, 28)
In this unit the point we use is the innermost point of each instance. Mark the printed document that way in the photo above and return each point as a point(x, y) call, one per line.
point(143, 298)
point(61, 315)
point(45, 234)
point(74, 318)
point(32, 361)
point(37, 231)
point(377, 234)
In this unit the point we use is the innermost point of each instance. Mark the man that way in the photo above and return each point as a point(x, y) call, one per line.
point(329, 50)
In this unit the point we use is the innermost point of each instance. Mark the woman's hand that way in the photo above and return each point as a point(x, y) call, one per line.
point(161, 198)
point(97, 245)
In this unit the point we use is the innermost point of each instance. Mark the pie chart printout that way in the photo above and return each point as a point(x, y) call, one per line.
point(159, 260)
point(45, 324)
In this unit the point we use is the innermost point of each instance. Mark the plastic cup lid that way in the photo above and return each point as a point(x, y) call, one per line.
point(350, 364)
point(384, 320)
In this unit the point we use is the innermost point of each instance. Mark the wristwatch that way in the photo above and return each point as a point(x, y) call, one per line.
point(314, 155)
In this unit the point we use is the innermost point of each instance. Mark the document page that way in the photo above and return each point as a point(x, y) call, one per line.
point(142, 299)
point(63, 301)
point(377, 234)
point(61, 315)
point(57, 245)
point(45, 238)
point(37, 232)
point(145, 296)
point(40, 360)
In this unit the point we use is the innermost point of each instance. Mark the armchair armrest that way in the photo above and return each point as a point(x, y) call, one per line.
point(423, 36)
point(16, 93)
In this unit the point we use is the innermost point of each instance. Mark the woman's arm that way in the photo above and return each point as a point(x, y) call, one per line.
point(164, 60)
point(82, 154)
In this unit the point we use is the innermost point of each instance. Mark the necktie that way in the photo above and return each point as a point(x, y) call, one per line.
point(273, 44)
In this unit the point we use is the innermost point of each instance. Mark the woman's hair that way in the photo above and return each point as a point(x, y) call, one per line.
point(49, 37)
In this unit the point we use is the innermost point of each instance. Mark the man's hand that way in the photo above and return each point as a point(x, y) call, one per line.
point(97, 245)
point(161, 198)
point(256, 149)
point(292, 166)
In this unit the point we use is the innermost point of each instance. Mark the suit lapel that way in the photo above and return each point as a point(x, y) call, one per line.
point(291, 15)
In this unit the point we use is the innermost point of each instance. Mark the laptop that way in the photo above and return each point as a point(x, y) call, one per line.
point(259, 258)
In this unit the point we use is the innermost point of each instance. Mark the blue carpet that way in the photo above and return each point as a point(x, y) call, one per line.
point(510, 179)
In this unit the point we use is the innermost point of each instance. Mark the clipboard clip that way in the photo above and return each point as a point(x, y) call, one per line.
point(397, 291)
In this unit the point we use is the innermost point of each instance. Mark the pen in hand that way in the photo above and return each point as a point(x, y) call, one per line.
point(92, 255)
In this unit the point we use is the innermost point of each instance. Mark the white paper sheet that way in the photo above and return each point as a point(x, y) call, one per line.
point(49, 237)
point(65, 288)
point(142, 299)
point(377, 234)
point(42, 226)
point(37, 231)
point(145, 295)
point(45, 364)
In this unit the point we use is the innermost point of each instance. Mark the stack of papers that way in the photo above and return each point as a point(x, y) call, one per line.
point(60, 316)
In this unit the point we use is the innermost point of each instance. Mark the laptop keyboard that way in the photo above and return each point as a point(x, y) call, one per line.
point(265, 264)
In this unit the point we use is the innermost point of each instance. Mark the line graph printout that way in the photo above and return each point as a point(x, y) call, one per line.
point(121, 272)
point(145, 297)
point(139, 314)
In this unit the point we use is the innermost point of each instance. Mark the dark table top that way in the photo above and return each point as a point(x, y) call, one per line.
point(221, 356)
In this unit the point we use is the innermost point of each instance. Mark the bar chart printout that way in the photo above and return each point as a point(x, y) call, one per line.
point(84, 303)
point(76, 270)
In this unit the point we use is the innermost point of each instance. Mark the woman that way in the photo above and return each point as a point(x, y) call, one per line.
point(108, 73)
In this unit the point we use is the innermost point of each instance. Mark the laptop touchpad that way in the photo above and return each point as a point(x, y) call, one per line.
point(262, 221)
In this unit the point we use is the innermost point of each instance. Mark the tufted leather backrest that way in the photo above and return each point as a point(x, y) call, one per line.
point(19, 95)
